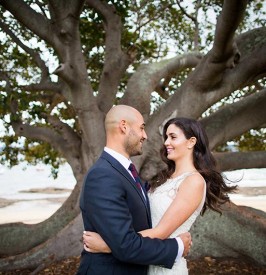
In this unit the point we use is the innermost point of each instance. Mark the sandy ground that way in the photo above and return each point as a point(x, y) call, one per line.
point(35, 211)
point(251, 196)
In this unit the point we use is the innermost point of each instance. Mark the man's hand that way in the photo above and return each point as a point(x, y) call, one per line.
point(187, 241)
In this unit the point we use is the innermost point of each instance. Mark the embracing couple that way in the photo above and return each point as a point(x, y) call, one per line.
point(133, 230)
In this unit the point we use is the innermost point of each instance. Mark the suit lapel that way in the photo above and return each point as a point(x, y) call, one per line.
point(147, 201)
point(120, 168)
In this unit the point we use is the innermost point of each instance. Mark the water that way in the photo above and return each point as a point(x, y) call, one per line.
point(24, 177)
point(34, 207)
point(15, 185)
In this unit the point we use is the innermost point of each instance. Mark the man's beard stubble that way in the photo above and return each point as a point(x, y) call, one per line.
point(132, 144)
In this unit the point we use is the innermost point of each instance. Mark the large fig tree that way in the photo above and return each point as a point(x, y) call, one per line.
point(64, 64)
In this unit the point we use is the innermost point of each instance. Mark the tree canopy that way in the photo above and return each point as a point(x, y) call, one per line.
point(148, 31)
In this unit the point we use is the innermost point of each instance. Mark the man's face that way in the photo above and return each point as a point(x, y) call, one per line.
point(136, 137)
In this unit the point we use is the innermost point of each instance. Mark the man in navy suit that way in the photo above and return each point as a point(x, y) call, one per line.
point(113, 206)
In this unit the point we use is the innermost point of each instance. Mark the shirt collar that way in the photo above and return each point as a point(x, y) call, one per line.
point(120, 158)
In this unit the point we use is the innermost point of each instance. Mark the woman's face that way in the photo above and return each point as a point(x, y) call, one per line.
point(176, 144)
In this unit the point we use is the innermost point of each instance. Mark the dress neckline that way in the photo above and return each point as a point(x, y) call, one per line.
point(184, 174)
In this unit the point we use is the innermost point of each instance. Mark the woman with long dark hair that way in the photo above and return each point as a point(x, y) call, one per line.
point(186, 188)
point(203, 161)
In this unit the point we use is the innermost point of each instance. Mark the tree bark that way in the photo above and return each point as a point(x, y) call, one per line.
point(241, 160)
point(219, 236)
point(65, 243)
point(247, 113)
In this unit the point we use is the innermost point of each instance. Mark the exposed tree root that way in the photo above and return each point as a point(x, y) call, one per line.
point(213, 235)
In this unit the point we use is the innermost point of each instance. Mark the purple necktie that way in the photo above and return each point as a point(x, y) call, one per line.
point(134, 172)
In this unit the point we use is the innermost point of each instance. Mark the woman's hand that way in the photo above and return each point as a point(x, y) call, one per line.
point(94, 243)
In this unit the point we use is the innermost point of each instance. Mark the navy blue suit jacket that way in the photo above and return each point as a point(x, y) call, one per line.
point(112, 205)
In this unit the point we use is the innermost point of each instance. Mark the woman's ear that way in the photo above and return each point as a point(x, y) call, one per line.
point(191, 142)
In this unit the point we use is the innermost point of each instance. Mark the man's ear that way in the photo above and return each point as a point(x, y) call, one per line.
point(123, 126)
point(191, 142)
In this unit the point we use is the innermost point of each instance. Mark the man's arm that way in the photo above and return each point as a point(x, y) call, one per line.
point(105, 206)
point(94, 243)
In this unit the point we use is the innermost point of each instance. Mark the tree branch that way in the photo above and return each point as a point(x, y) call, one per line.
point(56, 8)
point(3, 76)
point(224, 54)
point(229, 19)
point(43, 86)
point(147, 77)
point(251, 68)
point(36, 57)
point(30, 18)
point(45, 134)
point(66, 132)
point(157, 15)
point(114, 56)
point(235, 119)
point(251, 40)
point(194, 19)
point(61, 32)
point(240, 160)
point(62, 137)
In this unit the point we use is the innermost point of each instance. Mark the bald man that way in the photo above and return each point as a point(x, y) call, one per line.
point(113, 206)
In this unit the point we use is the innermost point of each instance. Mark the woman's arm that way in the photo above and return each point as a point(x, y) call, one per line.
point(187, 200)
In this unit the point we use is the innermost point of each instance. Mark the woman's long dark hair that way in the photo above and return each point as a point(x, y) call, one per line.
point(216, 188)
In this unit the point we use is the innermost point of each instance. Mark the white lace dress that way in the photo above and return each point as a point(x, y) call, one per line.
point(160, 200)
